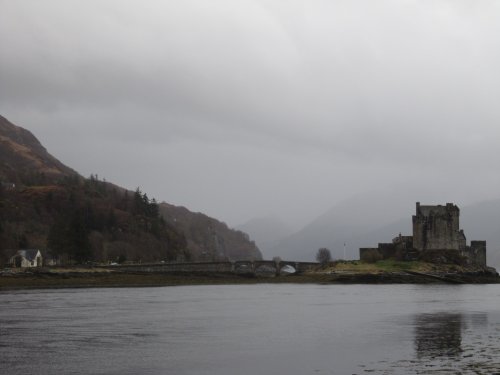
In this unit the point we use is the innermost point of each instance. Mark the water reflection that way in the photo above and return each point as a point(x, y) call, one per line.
point(440, 334)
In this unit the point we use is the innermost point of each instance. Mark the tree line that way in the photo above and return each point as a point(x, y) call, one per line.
point(80, 220)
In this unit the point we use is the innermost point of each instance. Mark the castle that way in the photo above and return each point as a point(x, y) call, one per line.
point(436, 236)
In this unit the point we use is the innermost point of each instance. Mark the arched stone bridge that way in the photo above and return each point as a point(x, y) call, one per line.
point(239, 266)
point(242, 266)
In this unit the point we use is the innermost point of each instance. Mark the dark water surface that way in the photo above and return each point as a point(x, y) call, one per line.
point(253, 329)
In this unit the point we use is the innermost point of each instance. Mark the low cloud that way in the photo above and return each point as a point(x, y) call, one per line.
point(249, 108)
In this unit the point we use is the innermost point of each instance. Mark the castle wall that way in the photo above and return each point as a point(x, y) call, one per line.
point(437, 227)
point(369, 254)
point(477, 253)
point(383, 251)
point(387, 250)
point(403, 243)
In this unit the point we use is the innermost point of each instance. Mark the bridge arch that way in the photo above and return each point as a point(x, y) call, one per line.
point(266, 268)
point(244, 266)
point(287, 268)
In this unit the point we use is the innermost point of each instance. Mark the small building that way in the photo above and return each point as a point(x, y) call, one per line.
point(26, 258)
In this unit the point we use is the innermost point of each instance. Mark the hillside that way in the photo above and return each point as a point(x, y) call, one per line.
point(23, 160)
point(210, 239)
point(45, 204)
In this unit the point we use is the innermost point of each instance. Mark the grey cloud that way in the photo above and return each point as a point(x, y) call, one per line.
point(240, 107)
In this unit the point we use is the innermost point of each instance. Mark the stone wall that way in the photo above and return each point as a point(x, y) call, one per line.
point(383, 251)
point(387, 250)
point(477, 253)
point(403, 243)
point(369, 254)
point(437, 227)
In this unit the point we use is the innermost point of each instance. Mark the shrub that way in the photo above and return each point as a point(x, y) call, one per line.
point(323, 256)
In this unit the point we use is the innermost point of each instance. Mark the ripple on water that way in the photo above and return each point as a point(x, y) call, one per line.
point(278, 329)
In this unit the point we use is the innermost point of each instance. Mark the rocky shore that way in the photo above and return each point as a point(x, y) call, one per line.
point(407, 277)
point(94, 277)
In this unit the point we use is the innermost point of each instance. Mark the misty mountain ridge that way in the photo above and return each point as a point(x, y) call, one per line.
point(267, 231)
point(350, 221)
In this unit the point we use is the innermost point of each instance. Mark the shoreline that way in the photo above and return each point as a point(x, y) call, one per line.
point(91, 279)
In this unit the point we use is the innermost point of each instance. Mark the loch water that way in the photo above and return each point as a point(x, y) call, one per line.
point(252, 329)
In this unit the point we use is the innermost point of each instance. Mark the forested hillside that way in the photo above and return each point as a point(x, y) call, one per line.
point(45, 204)
point(207, 238)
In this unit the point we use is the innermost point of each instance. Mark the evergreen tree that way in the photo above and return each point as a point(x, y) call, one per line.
point(154, 209)
point(79, 237)
point(138, 203)
point(57, 240)
point(68, 235)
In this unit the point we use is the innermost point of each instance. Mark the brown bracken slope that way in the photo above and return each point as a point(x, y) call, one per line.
point(23, 157)
point(45, 204)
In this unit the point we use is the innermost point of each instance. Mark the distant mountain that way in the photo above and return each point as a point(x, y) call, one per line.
point(45, 204)
point(354, 222)
point(267, 232)
point(367, 220)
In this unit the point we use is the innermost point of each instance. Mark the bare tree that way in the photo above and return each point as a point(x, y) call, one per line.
point(323, 256)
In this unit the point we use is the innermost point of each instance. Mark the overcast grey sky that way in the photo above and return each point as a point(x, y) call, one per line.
point(245, 108)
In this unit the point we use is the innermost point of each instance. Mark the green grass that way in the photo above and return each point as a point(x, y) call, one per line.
point(388, 265)
point(393, 265)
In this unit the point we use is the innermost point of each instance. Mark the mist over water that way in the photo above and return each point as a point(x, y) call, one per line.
point(274, 329)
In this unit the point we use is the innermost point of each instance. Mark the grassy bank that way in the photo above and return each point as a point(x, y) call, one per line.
point(390, 265)
point(348, 272)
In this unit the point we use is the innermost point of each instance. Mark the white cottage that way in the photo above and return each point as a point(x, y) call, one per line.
point(26, 258)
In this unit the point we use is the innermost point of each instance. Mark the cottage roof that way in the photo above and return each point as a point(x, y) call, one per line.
point(28, 254)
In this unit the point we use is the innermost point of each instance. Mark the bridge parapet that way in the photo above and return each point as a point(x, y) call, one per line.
point(175, 267)
point(239, 266)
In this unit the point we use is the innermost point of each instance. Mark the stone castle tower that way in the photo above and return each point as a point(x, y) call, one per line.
point(437, 228)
